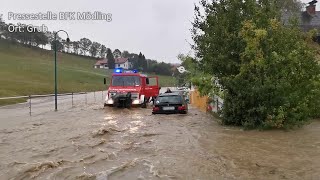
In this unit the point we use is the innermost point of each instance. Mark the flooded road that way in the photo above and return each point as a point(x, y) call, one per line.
point(92, 142)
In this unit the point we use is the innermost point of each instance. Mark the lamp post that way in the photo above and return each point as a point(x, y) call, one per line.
point(55, 68)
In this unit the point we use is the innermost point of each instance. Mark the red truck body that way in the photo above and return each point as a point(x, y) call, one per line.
point(131, 88)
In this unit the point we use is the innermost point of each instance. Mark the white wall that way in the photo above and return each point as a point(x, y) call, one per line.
point(125, 65)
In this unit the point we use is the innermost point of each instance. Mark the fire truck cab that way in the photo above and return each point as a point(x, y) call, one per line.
point(129, 88)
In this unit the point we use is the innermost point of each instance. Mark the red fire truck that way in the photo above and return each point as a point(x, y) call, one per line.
point(129, 88)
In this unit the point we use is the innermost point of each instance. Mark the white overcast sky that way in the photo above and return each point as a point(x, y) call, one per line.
point(160, 29)
point(157, 28)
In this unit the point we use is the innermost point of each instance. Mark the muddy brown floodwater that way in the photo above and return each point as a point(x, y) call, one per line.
point(108, 143)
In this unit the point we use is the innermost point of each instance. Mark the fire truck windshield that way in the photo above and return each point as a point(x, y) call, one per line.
point(125, 81)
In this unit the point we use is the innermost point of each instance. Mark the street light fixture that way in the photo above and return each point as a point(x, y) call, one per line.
point(55, 68)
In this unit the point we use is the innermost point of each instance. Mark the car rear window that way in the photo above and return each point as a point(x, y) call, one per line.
point(169, 99)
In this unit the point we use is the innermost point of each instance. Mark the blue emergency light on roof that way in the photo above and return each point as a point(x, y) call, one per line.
point(135, 71)
point(118, 70)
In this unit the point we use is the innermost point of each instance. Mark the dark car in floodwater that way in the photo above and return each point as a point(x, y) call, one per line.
point(170, 103)
point(184, 94)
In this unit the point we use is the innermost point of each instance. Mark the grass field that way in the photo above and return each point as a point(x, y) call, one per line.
point(27, 71)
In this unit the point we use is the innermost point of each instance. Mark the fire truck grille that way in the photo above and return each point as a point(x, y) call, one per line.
point(134, 95)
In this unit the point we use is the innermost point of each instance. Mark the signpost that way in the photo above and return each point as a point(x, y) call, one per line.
point(182, 70)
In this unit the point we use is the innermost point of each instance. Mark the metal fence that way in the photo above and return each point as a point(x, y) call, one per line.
point(29, 98)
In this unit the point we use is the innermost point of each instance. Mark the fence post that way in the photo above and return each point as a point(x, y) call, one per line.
point(72, 99)
point(86, 98)
point(30, 104)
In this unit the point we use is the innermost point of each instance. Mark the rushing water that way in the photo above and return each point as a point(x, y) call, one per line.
point(90, 142)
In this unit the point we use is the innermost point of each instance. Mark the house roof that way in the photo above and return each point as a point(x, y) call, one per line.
point(305, 21)
point(120, 60)
point(101, 62)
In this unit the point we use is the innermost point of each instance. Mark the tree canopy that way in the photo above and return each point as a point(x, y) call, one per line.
point(267, 71)
point(111, 61)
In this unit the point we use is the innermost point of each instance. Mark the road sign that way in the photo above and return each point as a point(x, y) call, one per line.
point(181, 69)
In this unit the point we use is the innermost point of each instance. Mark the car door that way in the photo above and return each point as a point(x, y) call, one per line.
point(152, 86)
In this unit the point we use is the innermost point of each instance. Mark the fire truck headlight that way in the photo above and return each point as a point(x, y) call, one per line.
point(110, 101)
point(142, 97)
point(112, 93)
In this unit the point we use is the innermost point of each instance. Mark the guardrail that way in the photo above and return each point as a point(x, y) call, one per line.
point(30, 97)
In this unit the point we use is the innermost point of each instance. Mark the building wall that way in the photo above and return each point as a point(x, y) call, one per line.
point(125, 65)
point(101, 67)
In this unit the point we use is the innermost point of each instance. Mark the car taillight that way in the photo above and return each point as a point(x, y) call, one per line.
point(156, 108)
point(181, 108)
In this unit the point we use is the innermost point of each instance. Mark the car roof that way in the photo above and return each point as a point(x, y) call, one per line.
point(178, 91)
point(170, 94)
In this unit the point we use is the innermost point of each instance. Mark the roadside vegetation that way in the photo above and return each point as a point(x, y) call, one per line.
point(27, 71)
point(266, 72)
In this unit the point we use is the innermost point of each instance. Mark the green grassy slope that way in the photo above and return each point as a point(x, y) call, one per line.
point(25, 71)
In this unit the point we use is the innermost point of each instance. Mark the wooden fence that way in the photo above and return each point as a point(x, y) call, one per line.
point(198, 101)
point(204, 103)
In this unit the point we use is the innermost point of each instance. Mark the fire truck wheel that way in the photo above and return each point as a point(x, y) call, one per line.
point(128, 104)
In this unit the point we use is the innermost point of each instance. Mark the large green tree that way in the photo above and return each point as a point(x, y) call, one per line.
point(95, 49)
point(76, 47)
point(111, 61)
point(292, 6)
point(125, 54)
point(85, 45)
point(267, 72)
point(2, 28)
point(117, 53)
point(58, 44)
point(103, 51)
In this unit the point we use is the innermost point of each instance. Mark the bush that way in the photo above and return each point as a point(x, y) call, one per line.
point(277, 86)
point(267, 71)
